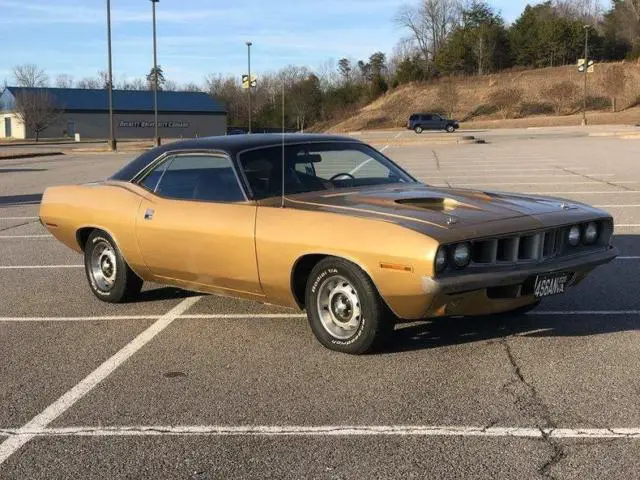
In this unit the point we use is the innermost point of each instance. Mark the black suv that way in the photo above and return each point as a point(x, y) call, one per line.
point(431, 121)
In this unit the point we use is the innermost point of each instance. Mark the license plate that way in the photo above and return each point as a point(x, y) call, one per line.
point(551, 284)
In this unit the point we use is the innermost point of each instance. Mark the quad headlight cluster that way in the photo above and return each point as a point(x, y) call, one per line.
point(587, 233)
point(459, 255)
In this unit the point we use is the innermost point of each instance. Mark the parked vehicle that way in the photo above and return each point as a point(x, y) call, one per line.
point(431, 121)
point(325, 224)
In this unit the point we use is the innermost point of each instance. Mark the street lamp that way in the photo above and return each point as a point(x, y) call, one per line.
point(586, 68)
point(155, 77)
point(249, 78)
point(112, 140)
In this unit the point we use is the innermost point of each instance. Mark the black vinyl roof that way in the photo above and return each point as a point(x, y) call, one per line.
point(230, 144)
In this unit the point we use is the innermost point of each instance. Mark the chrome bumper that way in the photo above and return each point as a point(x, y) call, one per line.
point(467, 282)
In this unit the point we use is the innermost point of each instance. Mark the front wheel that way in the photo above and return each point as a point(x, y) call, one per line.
point(344, 309)
point(418, 129)
point(110, 278)
point(451, 128)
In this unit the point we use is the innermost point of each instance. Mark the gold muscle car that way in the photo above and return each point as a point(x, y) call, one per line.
point(326, 224)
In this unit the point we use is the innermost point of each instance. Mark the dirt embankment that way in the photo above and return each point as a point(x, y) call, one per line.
point(533, 108)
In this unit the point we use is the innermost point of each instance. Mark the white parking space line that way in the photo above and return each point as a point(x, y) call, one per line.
point(273, 316)
point(243, 315)
point(534, 183)
point(24, 236)
point(584, 312)
point(616, 206)
point(77, 319)
point(213, 316)
point(627, 258)
point(398, 135)
point(608, 192)
point(628, 225)
point(330, 431)
point(36, 267)
point(384, 148)
point(66, 401)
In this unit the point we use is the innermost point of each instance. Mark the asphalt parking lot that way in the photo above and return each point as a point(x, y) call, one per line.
point(183, 386)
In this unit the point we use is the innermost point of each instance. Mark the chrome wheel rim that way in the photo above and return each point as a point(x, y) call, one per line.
point(339, 307)
point(103, 266)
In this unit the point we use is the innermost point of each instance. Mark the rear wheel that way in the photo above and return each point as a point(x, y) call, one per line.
point(418, 129)
point(451, 128)
point(109, 276)
point(344, 309)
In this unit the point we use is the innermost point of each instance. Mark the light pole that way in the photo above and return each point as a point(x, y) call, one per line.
point(249, 75)
point(112, 140)
point(155, 77)
point(586, 68)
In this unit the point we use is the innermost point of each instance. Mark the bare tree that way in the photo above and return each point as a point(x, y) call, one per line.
point(430, 23)
point(30, 75)
point(192, 87)
point(449, 96)
point(614, 81)
point(562, 96)
point(505, 100)
point(89, 83)
point(37, 110)
point(588, 11)
point(170, 86)
point(64, 80)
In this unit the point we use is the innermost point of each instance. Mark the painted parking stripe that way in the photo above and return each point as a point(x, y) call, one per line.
point(36, 267)
point(608, 192)
point(533, 183)
point(78, 319)
point(329, 430)
point(6, 237)
point(275, 316)
point(66, 401)
point(617, 206)
point(213, 316)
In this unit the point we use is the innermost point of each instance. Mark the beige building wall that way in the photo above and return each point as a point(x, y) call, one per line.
point(17, 127)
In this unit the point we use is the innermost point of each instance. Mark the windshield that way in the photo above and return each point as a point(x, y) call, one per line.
point(314, 167)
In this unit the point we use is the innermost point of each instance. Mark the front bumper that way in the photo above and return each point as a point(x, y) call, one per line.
point(467, 294)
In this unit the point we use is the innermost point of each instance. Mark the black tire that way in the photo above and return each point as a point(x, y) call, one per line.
point(124, 286)
point(451, 128)
point(418, 129)
point(376, 321)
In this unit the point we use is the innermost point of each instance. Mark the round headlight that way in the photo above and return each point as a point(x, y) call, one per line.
point(574, 236)
point(591, 232)
point(441, 259)
point(462, 255)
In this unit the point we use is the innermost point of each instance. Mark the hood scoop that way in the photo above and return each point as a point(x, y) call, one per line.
point(435, 204)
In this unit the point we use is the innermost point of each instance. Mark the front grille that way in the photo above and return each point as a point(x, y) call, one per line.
point(518, 248)
point(526, 248)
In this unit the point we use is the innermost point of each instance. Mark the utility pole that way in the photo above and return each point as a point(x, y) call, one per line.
point(112, 140)
point(249, 72)
point(586, 68)
point(155, 77)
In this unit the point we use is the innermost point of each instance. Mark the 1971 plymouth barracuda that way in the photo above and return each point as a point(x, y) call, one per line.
point(354, 240)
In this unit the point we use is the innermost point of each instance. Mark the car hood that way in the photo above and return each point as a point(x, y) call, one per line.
point(439, 208)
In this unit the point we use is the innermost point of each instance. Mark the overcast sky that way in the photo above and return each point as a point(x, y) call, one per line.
point(197, 37)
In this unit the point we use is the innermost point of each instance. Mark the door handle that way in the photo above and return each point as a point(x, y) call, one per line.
point(148, 214)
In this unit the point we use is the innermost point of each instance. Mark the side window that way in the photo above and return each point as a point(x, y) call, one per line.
point(196, 177)
point(426, 118)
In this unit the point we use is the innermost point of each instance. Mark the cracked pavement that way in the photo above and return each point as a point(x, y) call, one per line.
point(530, 396)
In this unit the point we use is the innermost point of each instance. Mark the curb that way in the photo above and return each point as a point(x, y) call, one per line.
point(29, 155)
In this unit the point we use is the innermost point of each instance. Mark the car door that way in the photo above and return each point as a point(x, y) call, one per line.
point(195, 224)
point(427, 122)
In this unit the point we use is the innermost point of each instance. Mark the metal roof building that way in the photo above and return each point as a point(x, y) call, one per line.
point(86, 112)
